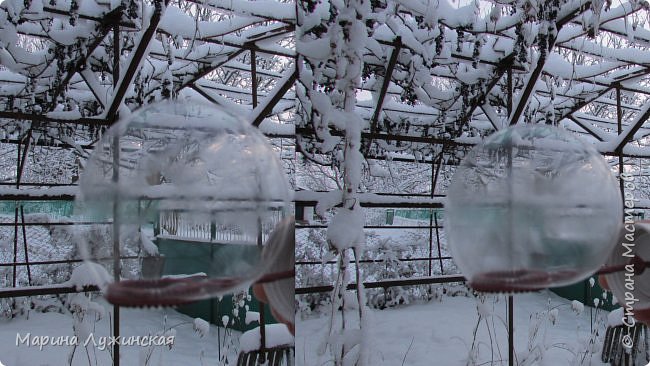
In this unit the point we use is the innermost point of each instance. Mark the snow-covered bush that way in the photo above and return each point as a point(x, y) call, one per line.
point(51, 242)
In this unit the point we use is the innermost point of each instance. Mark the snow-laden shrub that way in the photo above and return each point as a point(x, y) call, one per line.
point(50, 242)
point(311, 245)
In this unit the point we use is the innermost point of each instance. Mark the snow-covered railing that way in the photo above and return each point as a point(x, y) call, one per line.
point(387, 283)
point(310, 198)
point(44, 290)
point(183, 226)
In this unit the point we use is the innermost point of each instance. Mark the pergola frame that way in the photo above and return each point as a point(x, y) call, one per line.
point(251, 44)
point(604, 98)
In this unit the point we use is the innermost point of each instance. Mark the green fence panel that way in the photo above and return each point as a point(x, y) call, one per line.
point(214, 259)
point(583, 292)
point(421, 214)
point(54, 208)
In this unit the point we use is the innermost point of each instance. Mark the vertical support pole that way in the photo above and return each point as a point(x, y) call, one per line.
point(511, 335)
point(431, 213)
point(430, 259)
point(442, 268)
point(29, 271)
point(15, 269)
point(621, 166)
point(22, 158)
point(587, 299)
point(619, 123)
point(116, 55)
point(254, 77)
point(259, 226)
point(511, 338)
point(116, 208)
point(20, 166)
point(219, 342)
point(116, 249)
point(262, 332)
point(510, 91)
point(433, 193)
point(262, 318)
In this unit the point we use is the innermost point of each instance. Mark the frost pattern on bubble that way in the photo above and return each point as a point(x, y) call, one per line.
point(187, 164)
point(532, 207)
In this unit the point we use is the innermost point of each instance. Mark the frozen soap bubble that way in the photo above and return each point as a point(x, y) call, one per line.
point(529, 208)
point(189, 181)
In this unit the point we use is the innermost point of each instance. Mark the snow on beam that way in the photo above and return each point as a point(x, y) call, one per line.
point(612, 103)
point(456, 57)
point(138, 55)
point(604, 148)
point(500, 69)
point(582, 103)
point(267, 34)
point(44, 290)
point(334, 198)
point(92, 17)
point(608, 18)
point(235, 93)
point(397, 46)
point(491, 116)
point(50, 144)
point(110, 19)
point(266, 106)
point(244, 44)
point(387, 283)
point(180, 23)
point(271, 10)
point(207, 96)
point(208, 69)
point(628, 56)
point(94, 86)
point(66, 193)
point(586, 127)
point(418, 110)
point(627, 134)
point(391, 137)
point(239, 66)
point(607, 82)
point(529, 89)
point(620, 27)
point(532, 80)
point(49, 119)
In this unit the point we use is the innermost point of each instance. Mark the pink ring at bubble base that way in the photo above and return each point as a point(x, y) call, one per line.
point(522, 280)
point(167, 291)
point(179, 291)
point(642, 315)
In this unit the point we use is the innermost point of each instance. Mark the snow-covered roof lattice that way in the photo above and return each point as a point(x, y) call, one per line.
point(439, 72)
point(60, 62)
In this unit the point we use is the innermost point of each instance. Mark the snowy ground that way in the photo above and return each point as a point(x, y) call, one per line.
point(548, 331)
point(56, 243)
point(189, 348)
point(195, 342)
point(441, 333)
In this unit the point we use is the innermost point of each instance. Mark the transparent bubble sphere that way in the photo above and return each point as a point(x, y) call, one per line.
point(189, 182)
point(531, 207)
